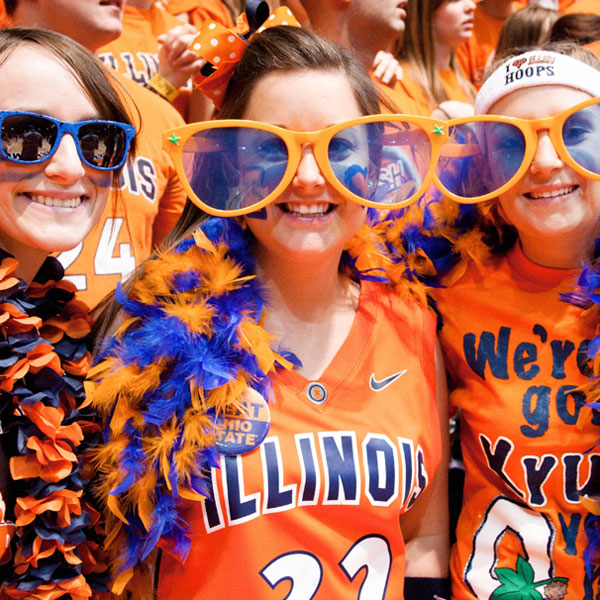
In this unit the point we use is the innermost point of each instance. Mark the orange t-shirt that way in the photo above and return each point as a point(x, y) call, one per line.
point(403, 102)
point(153, 198)
point(584, 6)
point(135, 52)
point(201, 10)
point(565, 5)
point(415, 95)
point(515, 354)
point(473, 54)
point(314, 510)
point(594, 47)
point(4, 20)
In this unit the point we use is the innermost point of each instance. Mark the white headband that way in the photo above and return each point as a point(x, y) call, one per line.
point(535, 68)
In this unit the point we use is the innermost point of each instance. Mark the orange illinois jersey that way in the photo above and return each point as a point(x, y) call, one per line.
point(313, 512)
point(516, 356)
point(147, 206)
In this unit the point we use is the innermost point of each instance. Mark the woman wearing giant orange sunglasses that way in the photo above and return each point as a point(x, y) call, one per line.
point(284, 295)
point(519, 327)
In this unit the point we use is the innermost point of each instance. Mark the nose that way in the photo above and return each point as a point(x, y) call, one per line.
point(546, 159)
point(65, 165)
point(308, 177)
point(470, 6)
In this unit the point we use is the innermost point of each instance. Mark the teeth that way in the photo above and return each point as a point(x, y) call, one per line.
point(553, 193)
point(61, 203)
point(308, 209)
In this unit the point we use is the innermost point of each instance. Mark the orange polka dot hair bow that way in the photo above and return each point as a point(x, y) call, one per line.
point(222, 47)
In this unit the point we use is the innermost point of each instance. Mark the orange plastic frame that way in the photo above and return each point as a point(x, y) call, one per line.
point(174, 141)
point(529, 128)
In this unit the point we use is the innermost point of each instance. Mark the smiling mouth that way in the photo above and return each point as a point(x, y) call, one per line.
point(307, 210)
point(551, 193)
point(56, 202)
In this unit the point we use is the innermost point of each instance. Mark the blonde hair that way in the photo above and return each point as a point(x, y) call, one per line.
point(418, 49)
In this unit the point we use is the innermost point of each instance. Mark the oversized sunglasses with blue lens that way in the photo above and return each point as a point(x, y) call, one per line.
point(30, 138)
point(486, 155)
point(234, 167)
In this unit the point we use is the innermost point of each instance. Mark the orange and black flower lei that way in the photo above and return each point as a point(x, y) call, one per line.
point(46, 431)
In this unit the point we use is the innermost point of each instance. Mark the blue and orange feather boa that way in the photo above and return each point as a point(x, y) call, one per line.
point(190, 343)
point(46, 432)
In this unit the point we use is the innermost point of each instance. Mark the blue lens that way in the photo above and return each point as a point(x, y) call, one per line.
point(32, 138)
point(231, 168)
point(580, 135)
point(480, 157)
point(384, 162)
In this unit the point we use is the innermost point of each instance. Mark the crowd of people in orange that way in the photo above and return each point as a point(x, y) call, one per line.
point(299, 297)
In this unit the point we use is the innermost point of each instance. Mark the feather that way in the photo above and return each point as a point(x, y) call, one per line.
point(191, 345)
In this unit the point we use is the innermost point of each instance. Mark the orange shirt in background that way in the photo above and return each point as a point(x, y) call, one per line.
point(151, 200)
point(565, 5)
point(135, 52)
point(413, 93)
point(4, 22)
point(473, 54)
point(594, 47)
point(404, 103)
point(199, 11)
point(583, 6)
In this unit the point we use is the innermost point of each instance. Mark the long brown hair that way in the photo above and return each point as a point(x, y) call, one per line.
point(529, 26)
point(418, 50)
point(277, 49)
point(583, 28)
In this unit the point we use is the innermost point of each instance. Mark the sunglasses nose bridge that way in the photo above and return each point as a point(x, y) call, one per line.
point(545, 155)
point(65, 161)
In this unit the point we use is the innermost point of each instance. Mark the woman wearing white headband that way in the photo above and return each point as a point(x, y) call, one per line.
point(517, 329)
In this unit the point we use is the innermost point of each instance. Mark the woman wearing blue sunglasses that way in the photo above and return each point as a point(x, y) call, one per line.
point(64, 136)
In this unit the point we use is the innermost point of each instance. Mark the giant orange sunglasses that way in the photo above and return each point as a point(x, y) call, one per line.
point(234, 167)
point(485, 155)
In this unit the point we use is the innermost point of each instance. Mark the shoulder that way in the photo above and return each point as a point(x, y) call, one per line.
point(395, 311)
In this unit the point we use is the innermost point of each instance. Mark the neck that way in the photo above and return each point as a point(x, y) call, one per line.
point(443, 54)
point(498, 9)
point(304, 289)
point(311, 309)
point(559, 253)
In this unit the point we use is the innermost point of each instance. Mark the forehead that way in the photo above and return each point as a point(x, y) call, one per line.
point(538, 102)
point(35, 80)
point(303, 100)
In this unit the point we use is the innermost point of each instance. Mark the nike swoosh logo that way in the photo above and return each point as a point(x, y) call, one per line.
point(378, 385)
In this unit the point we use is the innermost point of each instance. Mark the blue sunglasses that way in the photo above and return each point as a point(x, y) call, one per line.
point(30, 138)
